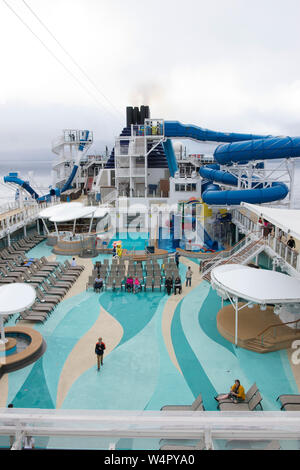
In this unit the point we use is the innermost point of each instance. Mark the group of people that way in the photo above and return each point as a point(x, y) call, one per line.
point(268, 228)
point(133, 285)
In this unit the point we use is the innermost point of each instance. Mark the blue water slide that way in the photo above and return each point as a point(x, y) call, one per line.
point(189, 131)
point(170, 155)
point(24, 184)
point(262, 149)
point(237, 148)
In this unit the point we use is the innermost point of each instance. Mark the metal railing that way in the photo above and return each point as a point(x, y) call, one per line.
point(227, 254)
point(101, 429)
point(271, 330)
point(289, 255)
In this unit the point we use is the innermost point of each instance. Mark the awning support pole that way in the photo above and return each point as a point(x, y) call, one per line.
point(236, 321)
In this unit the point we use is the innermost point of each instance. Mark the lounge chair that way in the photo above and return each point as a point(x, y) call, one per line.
point(249, 394)
point(272, 445)
point(291, 407)
point(51, 290)
point(45, 262)
point(242, 406)
point(47, 299)
point(33, 316)
point(286, 399)
point(156, 284)
point(197, 405)
point(74, 268)
point(199, 446)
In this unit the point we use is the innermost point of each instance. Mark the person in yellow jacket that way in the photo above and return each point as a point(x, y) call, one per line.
point(236, 394)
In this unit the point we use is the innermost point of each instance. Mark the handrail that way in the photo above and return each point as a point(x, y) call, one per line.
point(277, 324)
point(231, 251)
point(234, 246)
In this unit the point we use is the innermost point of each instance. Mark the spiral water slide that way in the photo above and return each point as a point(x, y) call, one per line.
point(13, 177)
point(241, 149)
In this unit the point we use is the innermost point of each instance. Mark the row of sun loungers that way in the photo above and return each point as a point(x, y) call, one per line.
point(253, 399)
point(50, 290)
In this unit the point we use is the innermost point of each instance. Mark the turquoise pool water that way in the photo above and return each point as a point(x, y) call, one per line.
point(131, 240)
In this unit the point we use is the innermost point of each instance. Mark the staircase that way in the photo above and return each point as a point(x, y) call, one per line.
point(242, 256)
point(274, 338)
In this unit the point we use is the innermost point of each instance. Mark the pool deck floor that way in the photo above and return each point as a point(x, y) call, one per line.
point(160, 350)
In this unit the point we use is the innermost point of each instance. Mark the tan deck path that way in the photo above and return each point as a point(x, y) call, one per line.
point(171, 305)
point(83, 357)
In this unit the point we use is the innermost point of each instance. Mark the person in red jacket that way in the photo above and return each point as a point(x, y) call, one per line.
point(99, 350)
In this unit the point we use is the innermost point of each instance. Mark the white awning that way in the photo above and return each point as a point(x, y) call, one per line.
point(256, 285)
point(58, 208)
point(99, 212)
point(16, 297)
point(286, 219)
point(72, 213)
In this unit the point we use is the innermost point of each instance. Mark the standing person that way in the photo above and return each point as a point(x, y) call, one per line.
point(188, 277)
point(291, 243)
point(99, 350)
point(177, 255)
point(73, 263)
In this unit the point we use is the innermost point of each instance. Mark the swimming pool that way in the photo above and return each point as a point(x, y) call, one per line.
point(131, 240)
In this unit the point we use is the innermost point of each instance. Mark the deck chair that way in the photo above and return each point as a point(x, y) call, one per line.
point(32, 316)
point(197, 405)
point(291, 407)
point(45, 298)
point(286, 399)
point(45, 262)
point(242, 406)
point(272, 445)
point(199, 446)
point(74, 268)
point(51, 290)
point(249, 394)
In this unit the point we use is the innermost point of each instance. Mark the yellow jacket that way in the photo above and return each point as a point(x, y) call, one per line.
point(240, 392)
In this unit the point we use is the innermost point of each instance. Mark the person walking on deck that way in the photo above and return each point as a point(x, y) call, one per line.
point(188, 277)
point(99, 350)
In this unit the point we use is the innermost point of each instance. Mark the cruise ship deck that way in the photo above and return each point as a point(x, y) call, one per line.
point(160, 350)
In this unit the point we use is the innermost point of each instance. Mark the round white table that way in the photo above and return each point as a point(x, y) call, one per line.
point(14, 298)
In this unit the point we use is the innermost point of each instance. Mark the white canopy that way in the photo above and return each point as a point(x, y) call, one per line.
point(72, 213)
point(256, 285)
point(16, 297)
point(57, 209)
point(99, 212)
point(286, 219)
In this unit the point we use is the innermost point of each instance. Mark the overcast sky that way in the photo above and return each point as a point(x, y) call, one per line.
point(226, 65)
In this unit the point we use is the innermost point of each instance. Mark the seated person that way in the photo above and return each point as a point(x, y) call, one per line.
point(98, 284)
point(236, 394)
point(169, 285)
point(177, 285)
point(129, 284)
point(137, 285)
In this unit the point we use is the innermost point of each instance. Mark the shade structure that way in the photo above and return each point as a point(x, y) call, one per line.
point(259, 286)
point(287, 220)
point(72, 213)
point(58, 208)
point(14, 298)
point(98, 213)
point(256, 285)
